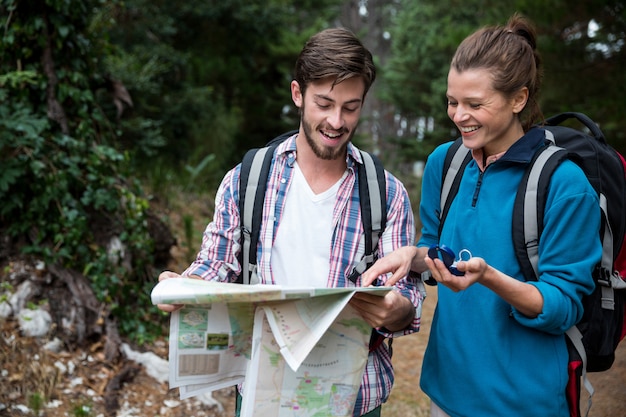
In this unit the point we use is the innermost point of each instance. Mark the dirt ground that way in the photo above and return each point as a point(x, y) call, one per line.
point(25, 369)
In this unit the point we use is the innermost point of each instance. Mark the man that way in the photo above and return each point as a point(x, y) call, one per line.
point(312, 233)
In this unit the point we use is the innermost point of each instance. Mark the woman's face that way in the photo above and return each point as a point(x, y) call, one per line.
point(485, 117)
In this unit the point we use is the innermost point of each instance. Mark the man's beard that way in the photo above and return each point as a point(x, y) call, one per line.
point(323, 152)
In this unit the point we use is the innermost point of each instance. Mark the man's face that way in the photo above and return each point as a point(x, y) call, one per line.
point(329, 115)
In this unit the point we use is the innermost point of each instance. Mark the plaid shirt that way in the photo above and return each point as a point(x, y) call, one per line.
point(217, 259)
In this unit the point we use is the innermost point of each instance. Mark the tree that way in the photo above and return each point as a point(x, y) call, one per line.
point(208, 77)
point(424, 36)
point(583, 47)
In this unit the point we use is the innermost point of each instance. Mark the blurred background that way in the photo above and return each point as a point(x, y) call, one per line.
point(119, 118)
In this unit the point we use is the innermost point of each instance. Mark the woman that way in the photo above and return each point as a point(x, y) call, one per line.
point(497, 344)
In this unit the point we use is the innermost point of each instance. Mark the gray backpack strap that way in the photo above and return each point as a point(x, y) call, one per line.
point(531, 207)
point(377, 200)
point(451, 173)
point(373, 200)
point(253, 178)
point(457, 158)
point(612, 281)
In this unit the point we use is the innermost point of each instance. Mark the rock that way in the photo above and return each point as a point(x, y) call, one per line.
point(34, 323)
point(156, 367)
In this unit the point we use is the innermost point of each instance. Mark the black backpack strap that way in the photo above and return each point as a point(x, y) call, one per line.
point(457, 158)
point(373, 200)
point(530, 204)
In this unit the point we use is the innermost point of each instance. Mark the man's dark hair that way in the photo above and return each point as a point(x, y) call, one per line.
point(334, 53)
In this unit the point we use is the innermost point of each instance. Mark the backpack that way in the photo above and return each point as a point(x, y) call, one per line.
point(593, 340)
point(255, 168)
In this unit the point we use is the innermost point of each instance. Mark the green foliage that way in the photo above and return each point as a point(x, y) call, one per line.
point(65, 189)
point(82, 410)
point(36, 402)
point(95, 92)
point(583, 45)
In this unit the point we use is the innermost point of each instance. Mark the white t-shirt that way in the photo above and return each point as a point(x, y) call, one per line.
point(301, 251)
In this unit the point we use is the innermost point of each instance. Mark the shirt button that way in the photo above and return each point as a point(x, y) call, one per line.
point(282, 180)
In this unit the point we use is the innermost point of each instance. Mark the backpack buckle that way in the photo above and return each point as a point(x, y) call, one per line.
point(603, 276)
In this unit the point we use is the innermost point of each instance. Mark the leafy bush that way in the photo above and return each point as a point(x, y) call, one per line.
point(66, 191)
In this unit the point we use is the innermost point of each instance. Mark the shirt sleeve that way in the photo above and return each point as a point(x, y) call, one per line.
point(399, 232)
point(218, 256)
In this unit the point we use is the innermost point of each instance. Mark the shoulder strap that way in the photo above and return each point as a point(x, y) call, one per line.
point(255, 168)
point(529, 207)
point(373, 200)
point(457, 158)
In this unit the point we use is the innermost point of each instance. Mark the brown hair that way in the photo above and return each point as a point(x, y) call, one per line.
point(337, 53)
point(510, 54)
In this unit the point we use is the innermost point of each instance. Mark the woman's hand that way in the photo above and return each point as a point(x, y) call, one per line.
point(525, 297)
point(397, 262)
point(474, 269)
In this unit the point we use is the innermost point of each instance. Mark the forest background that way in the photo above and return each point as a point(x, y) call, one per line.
point(119, 118)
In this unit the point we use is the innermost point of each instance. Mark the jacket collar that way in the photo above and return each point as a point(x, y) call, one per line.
point(525, 148)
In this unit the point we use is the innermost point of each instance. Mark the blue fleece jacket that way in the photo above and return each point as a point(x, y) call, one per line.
point(484, 358)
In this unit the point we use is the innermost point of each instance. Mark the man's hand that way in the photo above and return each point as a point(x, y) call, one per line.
point(168, 308)
point(393, 311)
